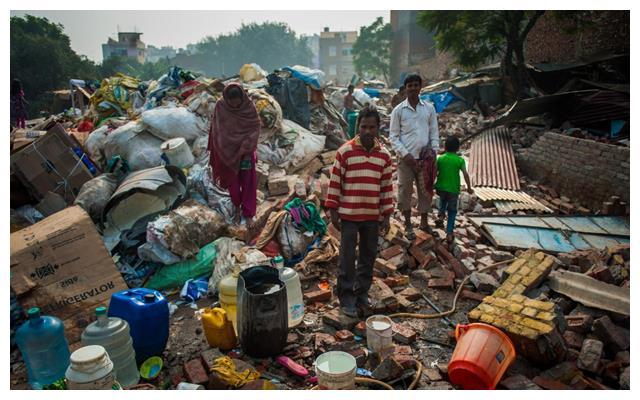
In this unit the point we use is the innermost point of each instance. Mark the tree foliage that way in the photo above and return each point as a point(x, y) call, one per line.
point(372, 50)
point(272, 45)
point(476, 36)
point(42, 58)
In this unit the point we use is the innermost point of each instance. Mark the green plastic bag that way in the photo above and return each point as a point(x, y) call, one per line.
point(175, 275)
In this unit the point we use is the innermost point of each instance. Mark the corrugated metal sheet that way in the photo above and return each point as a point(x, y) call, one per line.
point(507, 201)
point(491, 162)
point(554, 233)
point(492, 194)
point(510, 206)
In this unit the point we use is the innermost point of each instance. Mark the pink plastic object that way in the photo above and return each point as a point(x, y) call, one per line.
point(292, 366)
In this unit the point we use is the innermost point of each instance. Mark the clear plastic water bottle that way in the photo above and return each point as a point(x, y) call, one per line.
point(44, 348)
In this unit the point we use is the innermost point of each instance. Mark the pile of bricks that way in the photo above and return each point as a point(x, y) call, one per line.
point(531, 324)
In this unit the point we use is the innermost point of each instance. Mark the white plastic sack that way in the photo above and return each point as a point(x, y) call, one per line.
point(199, 146)
point(134, 144)
point(312, 77)
point(305, 148)
point(173, 122)
point(94, 145)
point(292, 241)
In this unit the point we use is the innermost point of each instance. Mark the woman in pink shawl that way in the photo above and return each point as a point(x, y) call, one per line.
point(233, 139)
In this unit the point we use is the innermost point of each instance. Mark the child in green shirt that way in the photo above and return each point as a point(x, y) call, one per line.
point(448, 183)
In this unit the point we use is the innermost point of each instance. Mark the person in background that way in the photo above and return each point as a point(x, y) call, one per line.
point(413, 132)
point(448, 184)
point(398, 97)
point(18, 104)
point(360, 203)
point(348, 103)
point(233, 139)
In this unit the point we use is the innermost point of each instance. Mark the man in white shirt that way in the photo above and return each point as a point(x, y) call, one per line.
point(414, 127)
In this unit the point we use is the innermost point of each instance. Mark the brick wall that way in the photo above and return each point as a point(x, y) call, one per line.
point(586, 171)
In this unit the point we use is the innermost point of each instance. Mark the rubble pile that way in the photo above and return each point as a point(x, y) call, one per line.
point(146, 197)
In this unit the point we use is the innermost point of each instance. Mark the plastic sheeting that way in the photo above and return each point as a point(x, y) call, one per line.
point(291, 94)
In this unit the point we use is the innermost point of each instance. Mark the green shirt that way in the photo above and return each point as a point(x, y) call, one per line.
point(449, 166)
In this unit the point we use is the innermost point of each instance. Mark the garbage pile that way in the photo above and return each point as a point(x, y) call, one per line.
point(129, 217)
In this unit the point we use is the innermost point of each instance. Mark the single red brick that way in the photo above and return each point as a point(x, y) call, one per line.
point(407, 350)
point(391, 252)
point(411, 294)
point(418, 254)
point(411, 261)
point(468, 294)
point(403, 334)
point(427, 261)
point(444, 283)
point(395, 281)
point(360, 329)
point(195, 373)
point(550, 384)
point(317, 296)
point(405, 360)
point(574, 339)
point(579, 323)
point(602, 273)
point(344, 336)
point(384, 266)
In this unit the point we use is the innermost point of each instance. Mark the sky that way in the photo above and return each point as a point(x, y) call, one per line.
point(89, 29)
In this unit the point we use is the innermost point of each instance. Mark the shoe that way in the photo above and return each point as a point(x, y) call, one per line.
point(349, 312)
point(364, 308)
point(409, 233)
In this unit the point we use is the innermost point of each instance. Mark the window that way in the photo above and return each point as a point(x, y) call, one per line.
point(332, 51)
point(346, 51)
point(333, 70)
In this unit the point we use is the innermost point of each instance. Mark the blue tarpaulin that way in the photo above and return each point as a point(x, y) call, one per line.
point(440, 100)
point(371, 92)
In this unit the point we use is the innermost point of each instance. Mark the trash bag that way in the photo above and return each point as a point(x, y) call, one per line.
point(293, 242)
point(95, 143)
point(291, 94)
point(155, 252)
point(225, 261)
point(312, 77)
point(95, 194)
point(199, 146)
point(174, 276)
point(134, 144)
point(305, 148)
point(187, 228)
point(201, 103)
point(172, 122)
point(252, 72)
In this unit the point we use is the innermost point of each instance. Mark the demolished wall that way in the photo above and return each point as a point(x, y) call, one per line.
point(587, 171)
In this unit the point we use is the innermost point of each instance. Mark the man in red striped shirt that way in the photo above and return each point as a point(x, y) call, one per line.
point(360, 201)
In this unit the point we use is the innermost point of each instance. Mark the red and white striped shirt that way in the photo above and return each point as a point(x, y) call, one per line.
point(360, 186)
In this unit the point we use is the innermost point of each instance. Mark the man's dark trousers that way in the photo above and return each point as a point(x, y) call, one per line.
point(354, 284)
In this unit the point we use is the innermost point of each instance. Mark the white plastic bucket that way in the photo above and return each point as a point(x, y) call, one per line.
point(380, 334)
point(90, 368)
point(178, 152)
point(336, 370)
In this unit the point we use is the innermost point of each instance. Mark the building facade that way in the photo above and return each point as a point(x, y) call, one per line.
point(336, 59)
point(127, 45)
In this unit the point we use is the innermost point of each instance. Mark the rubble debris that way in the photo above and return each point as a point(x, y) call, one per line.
point(591, 292)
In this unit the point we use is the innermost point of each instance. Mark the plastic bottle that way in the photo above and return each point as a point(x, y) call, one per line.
point(44, 348)
point(295, 304)
point(218, 329)
point(112, 333)
point(278, 262)
point(90, 369)
point(228, 289)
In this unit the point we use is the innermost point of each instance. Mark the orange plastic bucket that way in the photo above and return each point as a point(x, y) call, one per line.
point(481, 357)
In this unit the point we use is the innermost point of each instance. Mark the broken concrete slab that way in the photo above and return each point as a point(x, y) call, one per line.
point(591, 292)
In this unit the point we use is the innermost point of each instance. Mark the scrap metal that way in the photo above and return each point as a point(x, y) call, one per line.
point(492, 162)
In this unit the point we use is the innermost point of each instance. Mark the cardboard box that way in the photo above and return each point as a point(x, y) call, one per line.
point(61, 266)
point(50, 165)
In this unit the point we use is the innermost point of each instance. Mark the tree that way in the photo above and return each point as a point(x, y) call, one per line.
point(131, 66)
point(270, 44)
point(42, 58)
point(372, 50)
point(475, 36)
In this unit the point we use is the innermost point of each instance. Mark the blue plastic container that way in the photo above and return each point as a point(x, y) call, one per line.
point(147, 313)
point(44, 348)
